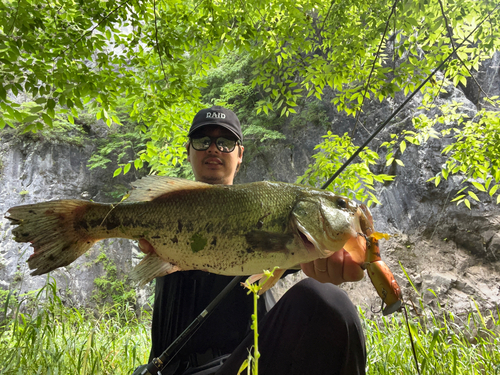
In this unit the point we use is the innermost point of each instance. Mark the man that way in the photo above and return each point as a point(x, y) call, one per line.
point(313, 329)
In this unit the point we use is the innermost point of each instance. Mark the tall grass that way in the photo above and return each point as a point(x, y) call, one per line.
point(444, 344)
point(39, 335)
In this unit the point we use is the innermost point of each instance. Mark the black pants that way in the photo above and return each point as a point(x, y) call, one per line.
point(314, 329)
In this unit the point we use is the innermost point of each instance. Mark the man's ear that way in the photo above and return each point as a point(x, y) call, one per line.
point(240, 157)
point(241, 153)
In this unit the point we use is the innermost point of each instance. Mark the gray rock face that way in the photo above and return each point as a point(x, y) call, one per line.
point(36, 171)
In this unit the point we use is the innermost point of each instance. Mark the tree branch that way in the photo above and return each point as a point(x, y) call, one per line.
point(157, 44)
point(450, 35)
point(373, 67)
point(92, 29)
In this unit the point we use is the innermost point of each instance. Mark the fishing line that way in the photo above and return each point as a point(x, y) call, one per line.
point(381, 126)
point(411, 340)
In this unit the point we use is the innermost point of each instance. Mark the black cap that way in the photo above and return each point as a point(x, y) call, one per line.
point(217, 115)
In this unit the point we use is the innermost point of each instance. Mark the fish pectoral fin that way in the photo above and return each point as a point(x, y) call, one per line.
point(151, 187)
point(269, 283)
point(254, 278)
point(150, 267)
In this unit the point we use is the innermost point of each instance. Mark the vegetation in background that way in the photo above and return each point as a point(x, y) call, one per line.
point(40, 335)
point(229, 84)
point(356, 181)
point(93, 56)
point(112, 289)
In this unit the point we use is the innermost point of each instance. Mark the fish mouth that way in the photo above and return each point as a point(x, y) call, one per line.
point(309, 243)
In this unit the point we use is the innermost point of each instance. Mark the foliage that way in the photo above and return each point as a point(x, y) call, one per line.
point(314, 112)
point(60, 131)
point(445, 344)
point(113, 289)
point(90, 55)
point(41, 333)
point(474, 154)
point(229, 84)
point(356, 180)
point(49, 337)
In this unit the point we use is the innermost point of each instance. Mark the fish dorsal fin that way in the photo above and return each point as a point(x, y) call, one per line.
point(152, 187)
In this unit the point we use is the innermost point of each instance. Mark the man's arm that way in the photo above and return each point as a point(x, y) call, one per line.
point(336, 269)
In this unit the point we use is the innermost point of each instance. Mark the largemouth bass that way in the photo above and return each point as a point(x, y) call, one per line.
point(229, 230)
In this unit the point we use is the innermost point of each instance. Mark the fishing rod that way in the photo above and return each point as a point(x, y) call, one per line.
point(157, 364)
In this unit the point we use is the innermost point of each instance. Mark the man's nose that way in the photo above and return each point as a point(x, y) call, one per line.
point(212, 147)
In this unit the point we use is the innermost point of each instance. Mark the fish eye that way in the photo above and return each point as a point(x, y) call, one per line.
point(342, 203)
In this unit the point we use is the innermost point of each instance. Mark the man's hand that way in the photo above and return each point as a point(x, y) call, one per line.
point(336, 269)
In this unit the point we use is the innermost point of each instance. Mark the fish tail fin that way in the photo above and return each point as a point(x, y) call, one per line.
point(49, 226)
point(150, 267)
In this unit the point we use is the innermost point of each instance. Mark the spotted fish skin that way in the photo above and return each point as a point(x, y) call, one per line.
point(231, 230)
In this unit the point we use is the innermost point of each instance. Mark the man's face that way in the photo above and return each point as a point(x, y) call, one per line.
point(213, 166)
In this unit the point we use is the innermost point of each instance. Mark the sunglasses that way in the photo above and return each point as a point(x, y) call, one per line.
point(223, 144)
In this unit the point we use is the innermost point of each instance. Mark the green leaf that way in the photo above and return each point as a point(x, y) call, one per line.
point(467, 203)
point(51, 104)
point(117, 172)
point(30, 118)
point(399, 162)
point(493, 190)
point(126, 168)
point(437, 180)
point(116, 120)
point(47, 119)
point(478, 186)
point(458, 197)
point(473, 195)
point(402, 146)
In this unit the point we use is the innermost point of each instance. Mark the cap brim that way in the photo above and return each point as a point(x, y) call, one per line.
point(199, 126)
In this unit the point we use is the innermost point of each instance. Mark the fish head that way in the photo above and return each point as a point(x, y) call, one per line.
point(326, 222)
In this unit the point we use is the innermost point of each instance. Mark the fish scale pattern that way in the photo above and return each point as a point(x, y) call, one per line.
point(231, 230)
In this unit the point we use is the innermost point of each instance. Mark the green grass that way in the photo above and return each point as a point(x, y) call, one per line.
point(39, 335)
point(444, 344)
point(42, 336)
